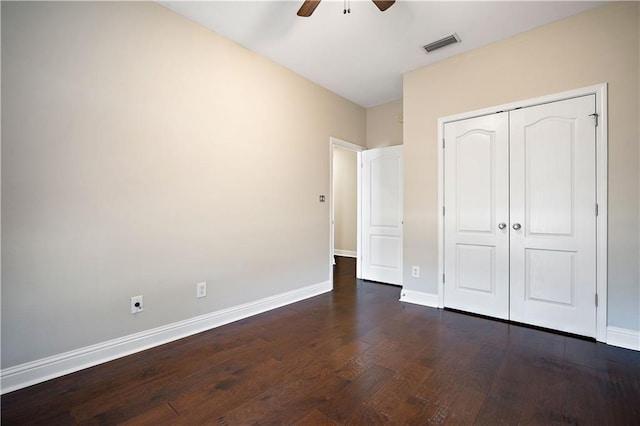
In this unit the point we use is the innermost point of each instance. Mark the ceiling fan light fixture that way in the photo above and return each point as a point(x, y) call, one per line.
point(439, 44)
point(383, 5)
point(309, 6)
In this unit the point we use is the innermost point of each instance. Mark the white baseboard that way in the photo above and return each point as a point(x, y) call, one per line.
point(38, 371)
point(419, 298)
point(345, 253)
point(623, 338)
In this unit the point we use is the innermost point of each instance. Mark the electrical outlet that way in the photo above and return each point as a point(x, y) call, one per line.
point(201, 290)
point(136, 304)
point(415, 271)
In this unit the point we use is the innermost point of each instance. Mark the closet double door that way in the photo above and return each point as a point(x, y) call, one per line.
point(520, 215)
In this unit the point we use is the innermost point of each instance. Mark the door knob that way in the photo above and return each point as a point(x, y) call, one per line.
point(502, 225)
point(516, 226)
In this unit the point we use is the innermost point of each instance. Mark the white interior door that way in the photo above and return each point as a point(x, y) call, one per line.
point(520, 219)
point(553, 216)
point(477, 213)
point(382, 215)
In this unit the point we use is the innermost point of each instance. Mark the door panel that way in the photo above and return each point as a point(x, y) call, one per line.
point(474, 193)
point(549, 174)
point(382, 215)
point(477, 200)
point(475, 268)
point(553, 198)
point(550, 276)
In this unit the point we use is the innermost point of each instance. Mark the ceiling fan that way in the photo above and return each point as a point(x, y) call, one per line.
point(309, 6)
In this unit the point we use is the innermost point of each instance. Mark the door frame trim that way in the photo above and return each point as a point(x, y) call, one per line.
point(600, 91)
point(335, 142)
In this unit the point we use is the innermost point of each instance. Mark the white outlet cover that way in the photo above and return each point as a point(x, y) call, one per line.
point(201, 290)
point(415, 271)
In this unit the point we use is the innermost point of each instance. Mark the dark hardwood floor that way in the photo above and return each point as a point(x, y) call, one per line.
point(353, 356)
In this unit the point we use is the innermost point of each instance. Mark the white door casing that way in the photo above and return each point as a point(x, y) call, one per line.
point(541, 181)
point(382, 180)
point(553, 203)
point(477, 202)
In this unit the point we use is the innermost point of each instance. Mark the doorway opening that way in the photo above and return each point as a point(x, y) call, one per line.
point(344, 199)
point(378, 221)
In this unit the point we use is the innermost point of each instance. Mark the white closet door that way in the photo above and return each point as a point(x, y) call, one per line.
point(553, 216)
point(476, 258)
point(382, 215)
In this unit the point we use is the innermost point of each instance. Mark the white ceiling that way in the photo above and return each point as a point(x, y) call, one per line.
point(363, 55)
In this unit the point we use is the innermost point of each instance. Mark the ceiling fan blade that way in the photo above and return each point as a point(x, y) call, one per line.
point(308, 7)
point(383, 5)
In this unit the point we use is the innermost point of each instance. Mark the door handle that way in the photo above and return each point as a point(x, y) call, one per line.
point(502, 225)
point(516, 226)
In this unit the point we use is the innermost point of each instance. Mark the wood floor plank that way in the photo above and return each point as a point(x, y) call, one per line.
point(352, 356)
point(462, 408)
point(315, 418)
point(286, 402)
point(398, 400)
point(163, 414)
point(521, 379)
point(366, 415)
point(480, 373)
point(448, 377)
point(306, 386)
point(350, 400)
point(217, 398)
point(588, 399)
point(132, 398)
point(544, 406)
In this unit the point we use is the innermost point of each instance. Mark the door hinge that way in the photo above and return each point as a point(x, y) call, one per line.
point(595, 118)
point(597, 211)
point(442, 143)
point(442, 210)
point(596, 300)
point(442, 278)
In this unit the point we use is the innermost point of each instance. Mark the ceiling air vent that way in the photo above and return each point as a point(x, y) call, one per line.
point(438, 44)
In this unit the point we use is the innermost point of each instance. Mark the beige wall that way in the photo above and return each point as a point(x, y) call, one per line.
point(142, 154)
point(639, 132)
point(601, 45)
point(345, 199)
point(384, 125)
